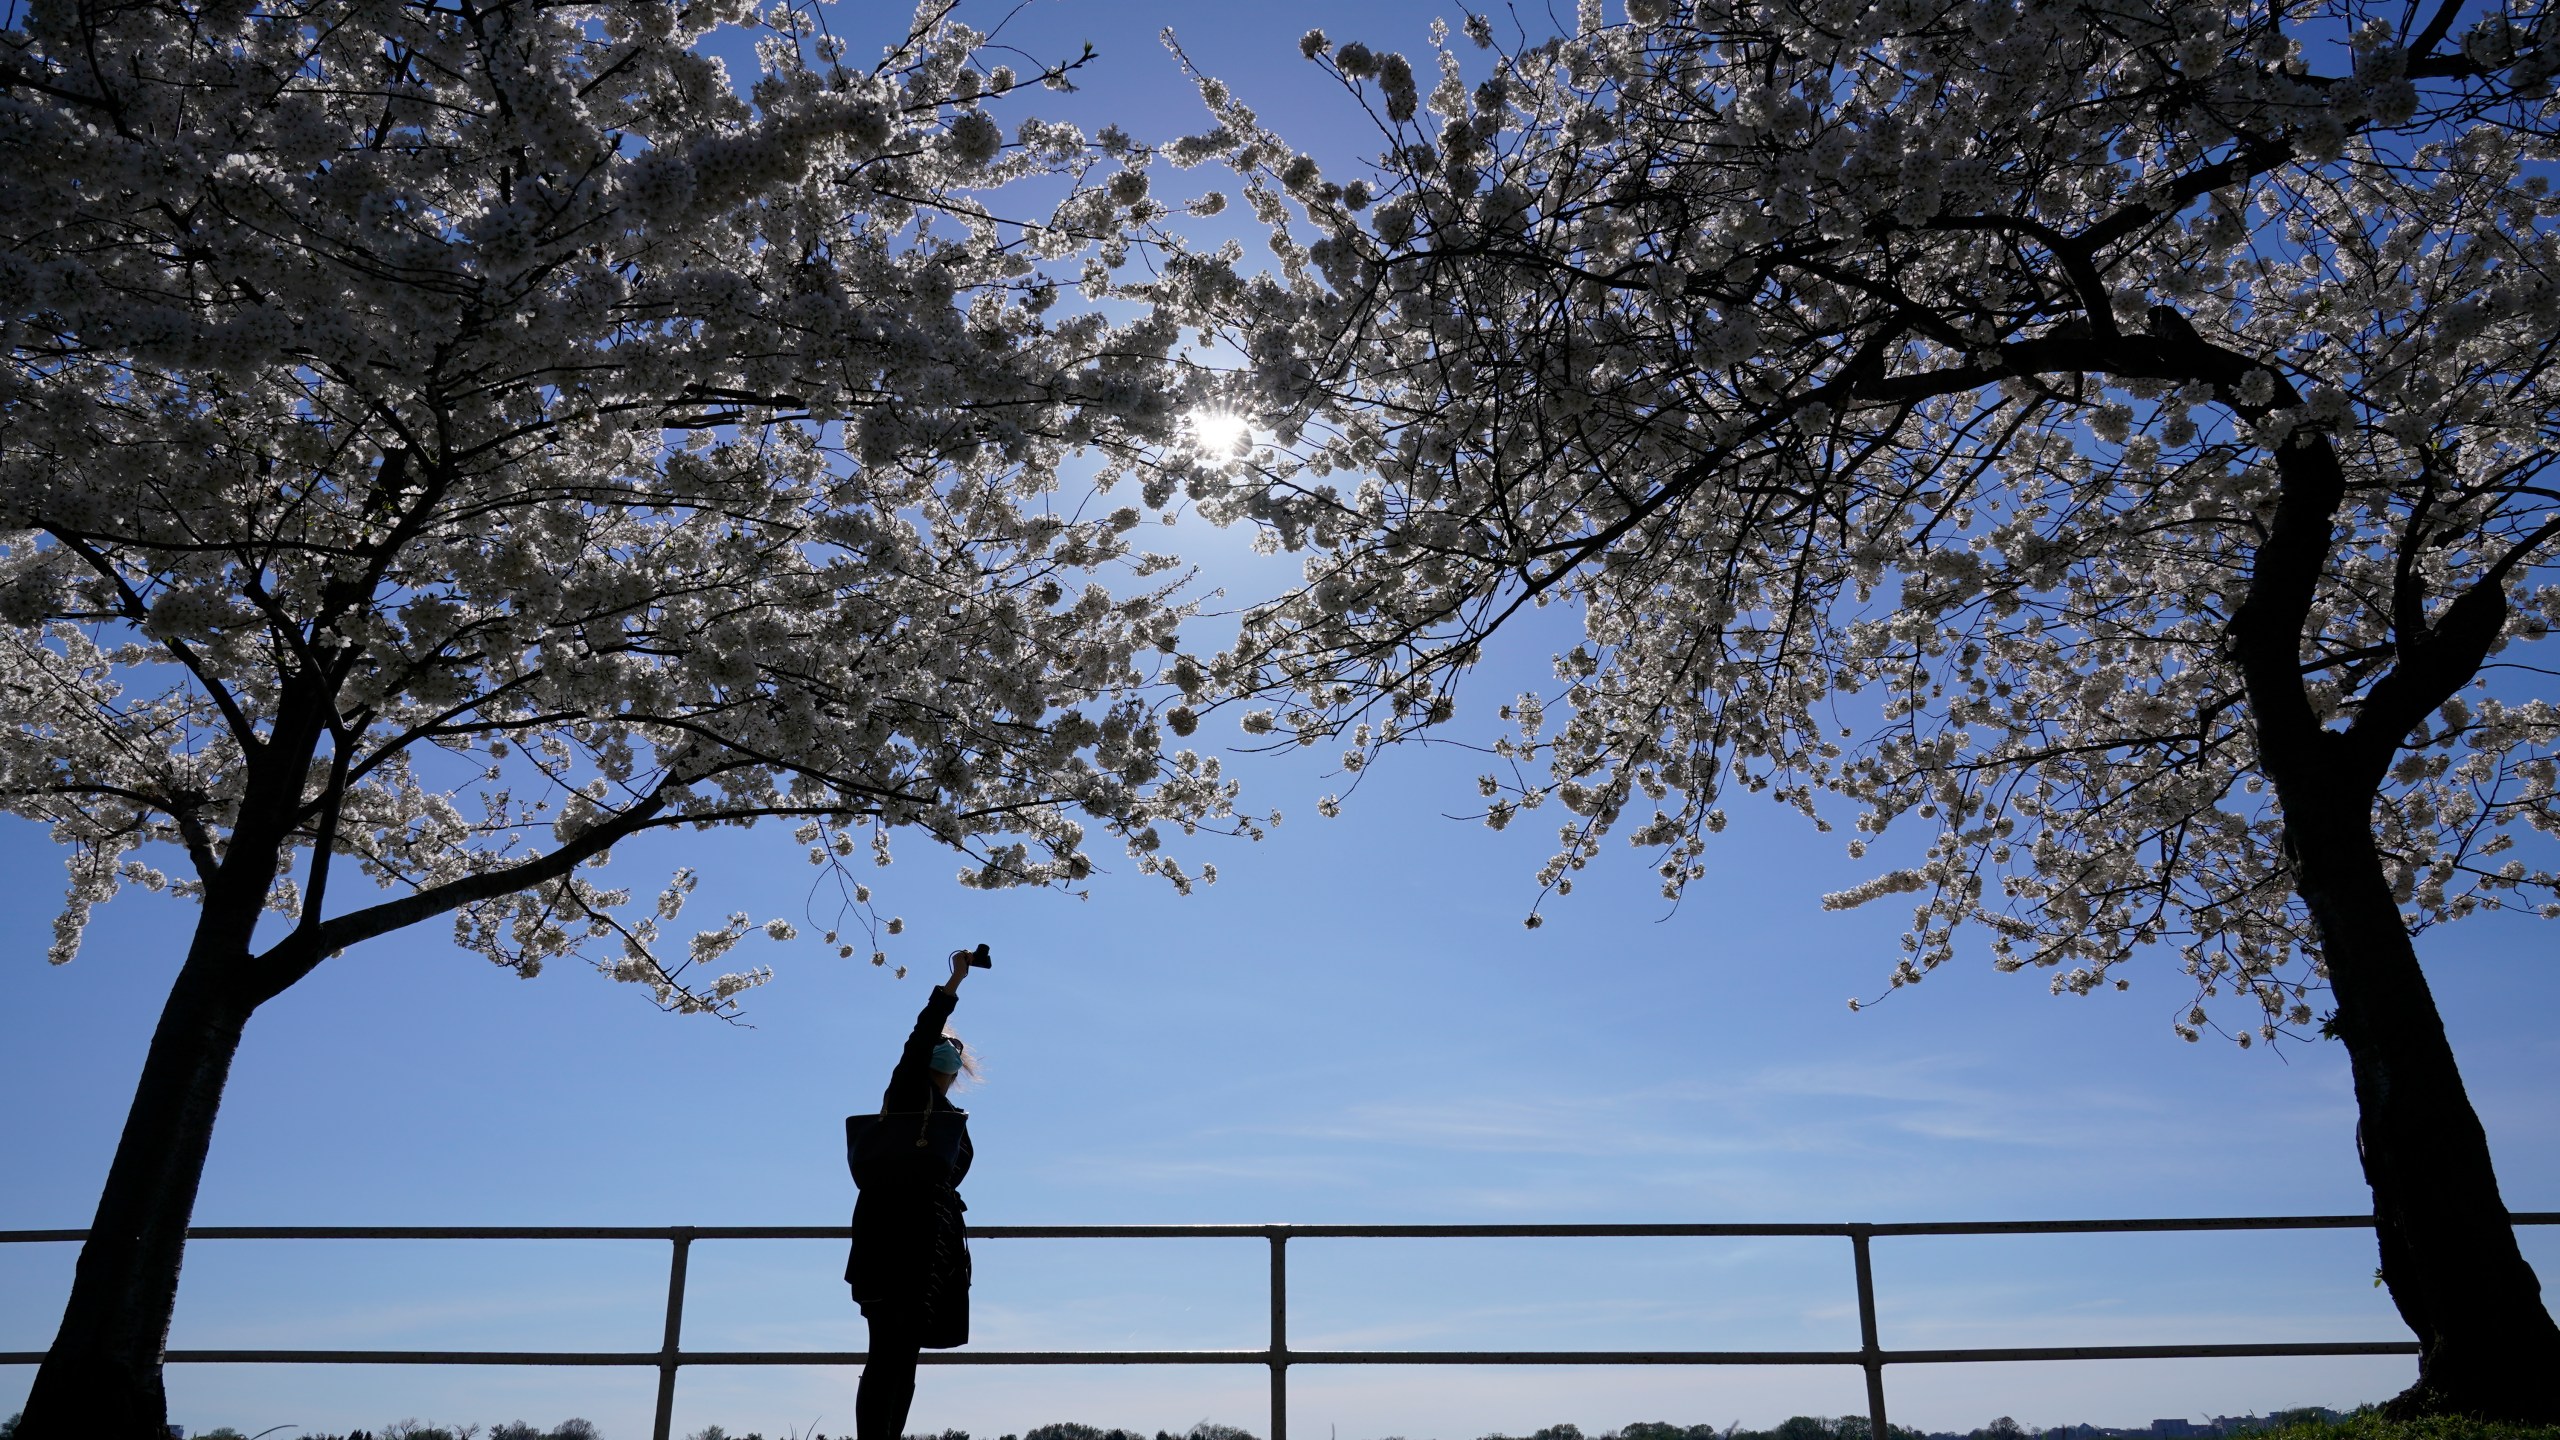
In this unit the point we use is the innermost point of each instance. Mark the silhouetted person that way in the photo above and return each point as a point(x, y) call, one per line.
point(910, 1263)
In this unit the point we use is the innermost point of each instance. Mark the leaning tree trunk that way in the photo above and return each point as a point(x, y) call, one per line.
point(2449, 1255)
point(101, 1380)
point(2487, 1345)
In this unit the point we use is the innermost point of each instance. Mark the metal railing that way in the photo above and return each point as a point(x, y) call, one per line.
point(1277, 1356)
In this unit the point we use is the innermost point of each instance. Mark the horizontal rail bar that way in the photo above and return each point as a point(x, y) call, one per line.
point(1845, 1357)
point(410, 1356)
point(1244, 1231)
point(2154, 1352)
point(1573, 1356)
point(2119, 1227)
point(638, 1358)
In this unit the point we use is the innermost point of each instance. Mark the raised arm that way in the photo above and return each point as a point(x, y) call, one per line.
point(911, 1083)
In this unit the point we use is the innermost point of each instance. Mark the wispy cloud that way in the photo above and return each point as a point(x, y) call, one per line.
point(605, 1315)
point(1845, 1107)
point(1842, 1137)
point(1496, 1126)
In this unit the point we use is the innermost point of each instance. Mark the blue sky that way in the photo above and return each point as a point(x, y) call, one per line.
point(1352, 1025)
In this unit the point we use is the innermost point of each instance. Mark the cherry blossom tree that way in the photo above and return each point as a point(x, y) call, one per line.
point(443, 439)
point(2110, 438)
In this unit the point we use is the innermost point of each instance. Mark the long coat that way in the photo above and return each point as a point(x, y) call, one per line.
point(909, 1264)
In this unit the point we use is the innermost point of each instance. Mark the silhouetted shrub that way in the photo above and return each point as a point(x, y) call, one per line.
point(1070, 1430)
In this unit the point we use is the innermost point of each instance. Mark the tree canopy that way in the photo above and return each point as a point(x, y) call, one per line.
point(442, 440)
point(2113, 440)
point(1904, 397)
point(461, 437)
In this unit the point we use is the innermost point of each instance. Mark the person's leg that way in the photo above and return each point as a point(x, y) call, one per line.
point(888, 1381)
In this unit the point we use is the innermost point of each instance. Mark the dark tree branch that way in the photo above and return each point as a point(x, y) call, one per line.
point(271, 973)
point(2437, 663)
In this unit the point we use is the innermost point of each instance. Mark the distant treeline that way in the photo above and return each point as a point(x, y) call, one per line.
point(1797, 1427)
point(1800, 1427)
point(571, 1429)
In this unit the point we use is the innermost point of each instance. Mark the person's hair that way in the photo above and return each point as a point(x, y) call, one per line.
point(968, 1058)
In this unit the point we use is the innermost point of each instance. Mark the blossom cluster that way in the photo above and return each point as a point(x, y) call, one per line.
point(448, 440)
point(1904, 397)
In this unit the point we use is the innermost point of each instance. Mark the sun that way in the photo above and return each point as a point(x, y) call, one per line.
point(1219, 434)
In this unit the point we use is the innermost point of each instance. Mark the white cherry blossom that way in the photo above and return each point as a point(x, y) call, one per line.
point(441, 440)
point(2098, 453)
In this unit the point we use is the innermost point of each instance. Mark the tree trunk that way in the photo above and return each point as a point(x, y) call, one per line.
point(2487, 1346)
point(101, 1380)
point(2449, 1256)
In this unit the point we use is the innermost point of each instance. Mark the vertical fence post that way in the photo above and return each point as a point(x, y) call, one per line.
point(1867, 1347)
point(1279, 1335)
point(682, 1235)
